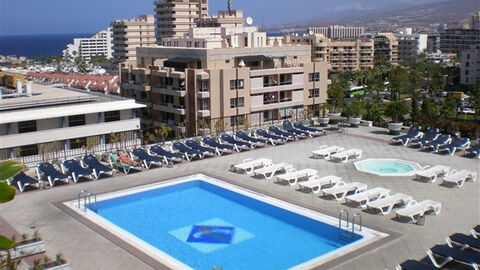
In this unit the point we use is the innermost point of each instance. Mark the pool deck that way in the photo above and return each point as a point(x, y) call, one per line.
point(86, 249)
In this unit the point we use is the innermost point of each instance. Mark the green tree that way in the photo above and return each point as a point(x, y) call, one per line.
point(336, 92)
point(449, 108)
point(398, 80)
point(396, 110)
point(163, 132)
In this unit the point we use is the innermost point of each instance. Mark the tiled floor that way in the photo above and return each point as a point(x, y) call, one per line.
point(85, 249)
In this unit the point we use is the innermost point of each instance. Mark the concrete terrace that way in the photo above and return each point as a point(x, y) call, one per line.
point(84, 248)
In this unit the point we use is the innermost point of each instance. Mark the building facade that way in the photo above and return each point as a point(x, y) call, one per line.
point(386, 47)
point(130, 34)
point(173, 18)
point(337, 31)
point(99, 44)
point(470, 67)
point(341, 55)
point(223, 79)
point(410, 46)
point(458, 40)
point(35, 116)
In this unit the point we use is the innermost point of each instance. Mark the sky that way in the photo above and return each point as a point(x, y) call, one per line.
point(26, 17)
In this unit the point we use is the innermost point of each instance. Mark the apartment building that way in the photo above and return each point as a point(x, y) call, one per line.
point(386, 46)
point(35, 115)
point(226, 77)
point(173, 18)
point(470, 67)
point(458, 40)
point(410, 46)
point(341, 55)
point(130, 34)
point(337, 31)
point(99, 44)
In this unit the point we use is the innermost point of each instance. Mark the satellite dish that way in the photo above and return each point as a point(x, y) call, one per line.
point(249, 20)
point(310, 32)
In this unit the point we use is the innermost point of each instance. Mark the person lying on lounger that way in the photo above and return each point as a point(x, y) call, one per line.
point(124, 158)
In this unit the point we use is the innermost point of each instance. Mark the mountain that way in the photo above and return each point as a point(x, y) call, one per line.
point(390, 18)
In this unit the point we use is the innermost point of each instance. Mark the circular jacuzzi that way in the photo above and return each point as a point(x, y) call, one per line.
point(388, 167)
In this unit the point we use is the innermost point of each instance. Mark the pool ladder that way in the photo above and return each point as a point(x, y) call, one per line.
point(344, 234)
point(87, 197)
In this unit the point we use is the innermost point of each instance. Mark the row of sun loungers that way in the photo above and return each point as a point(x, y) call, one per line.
point(433, 140)
point(337, 153)
point(451, 177)
point(459, 252)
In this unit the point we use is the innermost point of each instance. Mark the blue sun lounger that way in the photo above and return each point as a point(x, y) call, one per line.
point(48, 171)
point(187, 151)
point(237, 145)
point(288, 126)
point(22, 180)
point(415, 265)
point(207, 151)
point(413, 133)
point(312, 131)
point(167, 156)
point(219, 148)
point(73, 168)
point(245, 137)
point(464, 241)
point(443, 139)
point(91, 162)
point(279, 132)
point(449, 254)
point(431, 135)
point(272, 139)
point(147, 159)
point(460, 143)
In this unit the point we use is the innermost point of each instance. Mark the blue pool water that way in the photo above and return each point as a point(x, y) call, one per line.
point(203, 225)
point(388, 167)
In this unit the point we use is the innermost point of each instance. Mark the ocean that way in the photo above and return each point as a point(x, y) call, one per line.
point(34, 45)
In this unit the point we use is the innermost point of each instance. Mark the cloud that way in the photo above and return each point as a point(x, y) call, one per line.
point(355, 6)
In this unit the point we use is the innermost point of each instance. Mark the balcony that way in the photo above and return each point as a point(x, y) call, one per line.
point(203, 94)
point(61, 134)
point(203, 113)
point(171, 108)
point(136, 87)
point(203, 76)
point(273, 106)
point(169, 90)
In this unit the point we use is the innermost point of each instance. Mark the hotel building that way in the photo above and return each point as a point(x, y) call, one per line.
point(410, 46)
point(36, 115)
point(99, 44)
point(173, 18)
point(130, 34)
point(458, 40)
point(386, 45)
point(341, 55)
point(470, 67)
point(338, 31)
point(222, 75)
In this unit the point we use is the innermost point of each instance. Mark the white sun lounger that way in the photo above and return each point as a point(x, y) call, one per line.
point(431, 173)
point(415, 209)
point(363, 198)
point(316, 183)
point(293, 176)
point(345, 155)
point(326, 151)
point(271, 169)
point(385, 205)
point(248, 165)
point(459, 178)
point(341, 189)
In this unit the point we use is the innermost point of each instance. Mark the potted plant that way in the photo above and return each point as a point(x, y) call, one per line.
point(323, 119)
point(396, 110)
point(354, 112)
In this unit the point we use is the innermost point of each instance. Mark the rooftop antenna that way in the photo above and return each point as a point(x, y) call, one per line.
point(229, 5)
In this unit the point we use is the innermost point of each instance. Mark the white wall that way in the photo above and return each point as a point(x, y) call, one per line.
point(297, 79)
point(52, 123)
point(91, 118)
point(256, 83)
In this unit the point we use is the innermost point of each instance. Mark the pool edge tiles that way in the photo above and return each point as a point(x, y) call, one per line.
point(369, 236)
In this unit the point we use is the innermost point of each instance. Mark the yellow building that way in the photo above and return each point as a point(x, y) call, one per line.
point(9, 79)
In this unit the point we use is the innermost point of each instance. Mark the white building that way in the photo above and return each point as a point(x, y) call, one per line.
point(36, 115)
point(99, 44)
point(470, 69)
point(338, 31)
point(410, 45)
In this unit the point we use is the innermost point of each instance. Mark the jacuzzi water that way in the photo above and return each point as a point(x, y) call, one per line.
point(387, 167)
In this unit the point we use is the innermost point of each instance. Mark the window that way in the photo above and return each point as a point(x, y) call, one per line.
point(204, 105)
point(237, 120)
point(76, 120)
point(28, 150)
point(27, 126)
point(234, 103)
point(314, 93)
point(78, 143)
point(237, 84)
point(314, 77)
point(112, 116)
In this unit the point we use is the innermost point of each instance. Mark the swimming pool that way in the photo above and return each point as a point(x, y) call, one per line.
point(199, 222)
point(388, 167)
